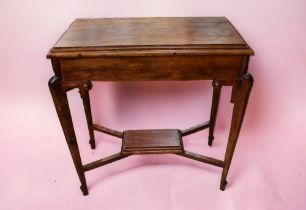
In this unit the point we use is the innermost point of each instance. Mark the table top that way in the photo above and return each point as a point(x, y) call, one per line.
point(151, 34)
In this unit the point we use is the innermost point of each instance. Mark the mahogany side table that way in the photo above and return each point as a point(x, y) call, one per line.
point(147, 49)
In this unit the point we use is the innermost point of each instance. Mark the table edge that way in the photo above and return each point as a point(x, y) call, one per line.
point(77, 53)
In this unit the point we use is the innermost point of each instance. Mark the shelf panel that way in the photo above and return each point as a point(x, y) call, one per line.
point(158, 141)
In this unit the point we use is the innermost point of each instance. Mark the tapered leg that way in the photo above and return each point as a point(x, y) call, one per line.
point(62, 107)
point(233, 95)
point(214, 110)
point(84, 91)
point(242, 95)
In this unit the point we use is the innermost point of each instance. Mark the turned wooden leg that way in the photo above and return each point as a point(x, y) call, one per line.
point(243, 89)
point(214, 110)
point(62, 107)
point(84, 92)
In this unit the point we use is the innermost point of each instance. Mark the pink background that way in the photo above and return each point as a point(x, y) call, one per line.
point(269, 166)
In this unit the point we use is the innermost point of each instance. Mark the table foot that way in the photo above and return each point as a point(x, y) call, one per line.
point(92, 143)
point(84, 190)
point(210, 140)
point(223, 185)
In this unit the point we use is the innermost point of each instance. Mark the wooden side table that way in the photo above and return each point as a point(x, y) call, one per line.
point(146, 49)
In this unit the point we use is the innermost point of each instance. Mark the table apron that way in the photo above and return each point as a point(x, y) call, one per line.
point(146, 68)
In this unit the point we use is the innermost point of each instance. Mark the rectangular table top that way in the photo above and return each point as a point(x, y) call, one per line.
point(151, 33)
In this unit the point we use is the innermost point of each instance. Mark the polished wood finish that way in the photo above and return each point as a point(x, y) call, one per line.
point(202, 158)
point(62, 107)
point(244, 87)
point(196, 128)
point(157, 141)
point(103, 161)
point(150, 33)
point(149, 49)
point(108, 131)
point(138, 68)
point(214, 110)
point(84, 92)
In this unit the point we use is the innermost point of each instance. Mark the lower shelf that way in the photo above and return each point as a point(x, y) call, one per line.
point(156, 141)
point(159, 141)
